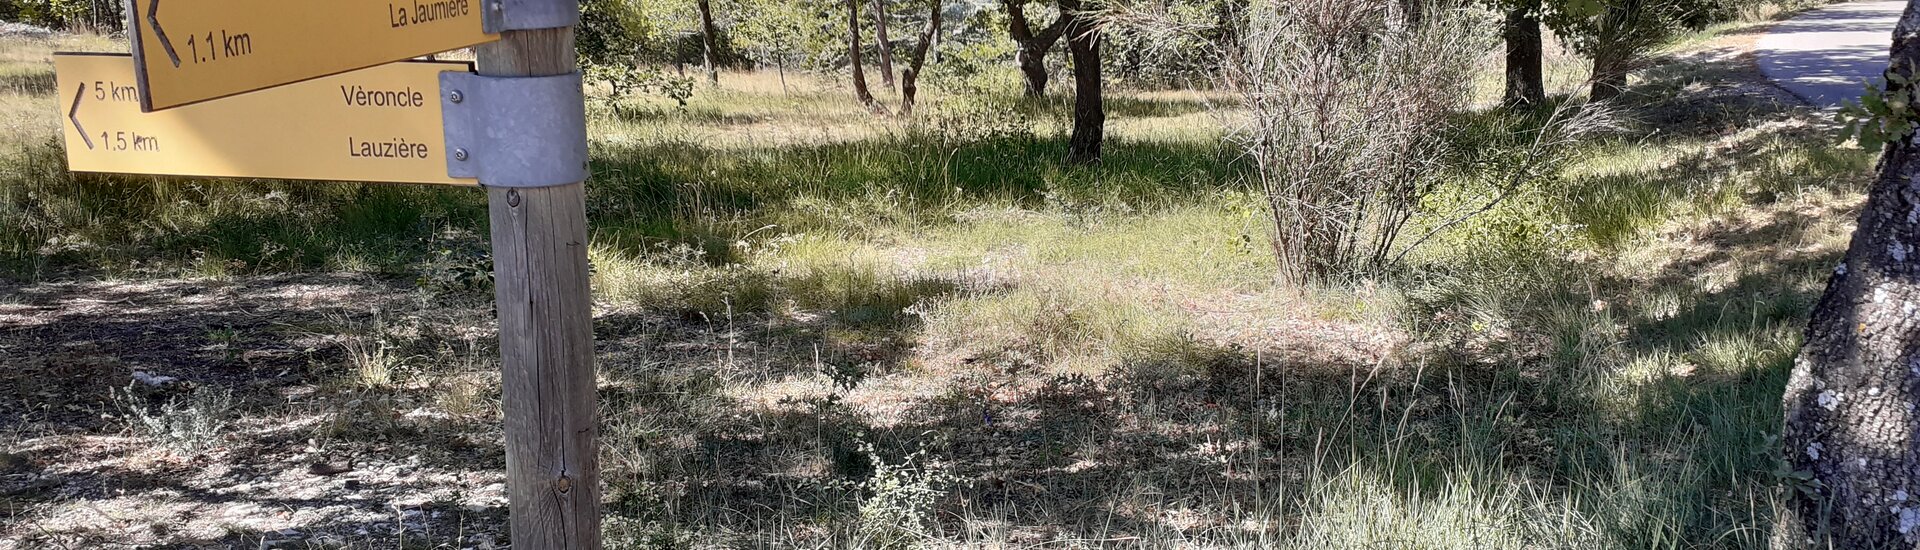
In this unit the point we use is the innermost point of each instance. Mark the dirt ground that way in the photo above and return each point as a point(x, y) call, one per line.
point(81, 356)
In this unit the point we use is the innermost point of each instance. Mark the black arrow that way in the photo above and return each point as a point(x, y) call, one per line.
point(74, 115)
point(153, 19)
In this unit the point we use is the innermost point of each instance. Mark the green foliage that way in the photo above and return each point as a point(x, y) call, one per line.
point(623, 80)
point(1617, 29)
point(62, 14)
point(785, 33)
point(1885, 113)
point(1180, 44)
point(607, 32)
point(458, 261)
point(612, 39)
point(976, 70)
point(1547, 375)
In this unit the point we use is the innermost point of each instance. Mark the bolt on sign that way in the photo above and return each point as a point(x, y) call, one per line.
point(381, 124)
point(189, 51)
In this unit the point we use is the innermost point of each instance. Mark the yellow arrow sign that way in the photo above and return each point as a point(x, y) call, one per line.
point(378, 124)
point(196, 50)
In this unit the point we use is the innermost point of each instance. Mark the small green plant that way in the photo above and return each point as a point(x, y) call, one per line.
point(375, 352)
point(461, 263)
point(1884, 114)
point(374, 363)
point(900, 498)
point(625, 80)
point(224, 338)
point(190, 426)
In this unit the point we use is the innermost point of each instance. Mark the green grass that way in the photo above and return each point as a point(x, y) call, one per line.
point(1088, 357)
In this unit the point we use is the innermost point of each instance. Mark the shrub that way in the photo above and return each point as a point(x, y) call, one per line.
point(189, 425)
point(900, 498)
point(1348, 103)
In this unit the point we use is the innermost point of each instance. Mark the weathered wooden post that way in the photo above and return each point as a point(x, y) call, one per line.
point(546, 325)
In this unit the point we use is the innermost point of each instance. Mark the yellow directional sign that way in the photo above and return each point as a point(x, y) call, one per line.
point(196, 50)
point(378, 124)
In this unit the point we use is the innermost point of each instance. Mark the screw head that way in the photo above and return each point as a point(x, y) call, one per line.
point(456, 96)
point(460, 154)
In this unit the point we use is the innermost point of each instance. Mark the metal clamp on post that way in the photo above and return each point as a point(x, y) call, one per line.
point(520, 15)
point(515, 131)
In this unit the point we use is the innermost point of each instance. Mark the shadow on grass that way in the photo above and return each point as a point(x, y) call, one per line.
point(894, 176)
point(1180, 442)
point(682, 193)
point(1123, 105)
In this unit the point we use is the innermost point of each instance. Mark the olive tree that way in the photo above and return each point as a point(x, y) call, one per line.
point(1852, 434)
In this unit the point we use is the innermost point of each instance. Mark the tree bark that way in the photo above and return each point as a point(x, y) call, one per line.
point(709, 43)
point(1609, 76)
point(1851, 426)
point(1030, 52)
point(882, 44)
point(1089, 111)
point(1526, 84)
point(860, 91)
point(909, 80)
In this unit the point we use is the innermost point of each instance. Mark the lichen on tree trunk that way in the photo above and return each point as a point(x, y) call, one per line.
point(1850, 432)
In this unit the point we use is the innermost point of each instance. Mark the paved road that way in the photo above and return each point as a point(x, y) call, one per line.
point(1823, 55)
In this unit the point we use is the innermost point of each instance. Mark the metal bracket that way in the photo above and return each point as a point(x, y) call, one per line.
point(514, 131)
point(520, 15)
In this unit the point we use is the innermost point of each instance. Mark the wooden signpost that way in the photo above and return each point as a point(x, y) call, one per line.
point(546, 330)
point(377, 124)
point(517, 128)
point(196, 50)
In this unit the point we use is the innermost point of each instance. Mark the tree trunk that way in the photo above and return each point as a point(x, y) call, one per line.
point(1526, 85)
point(1030, 52)
point(909, 80)
point(1089, 113)
point(1033, 70)
point(709, 43)
point(935, 52)
point(880, 42)
point(1609, 76)
point(860, 91)
point(1851, 430)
